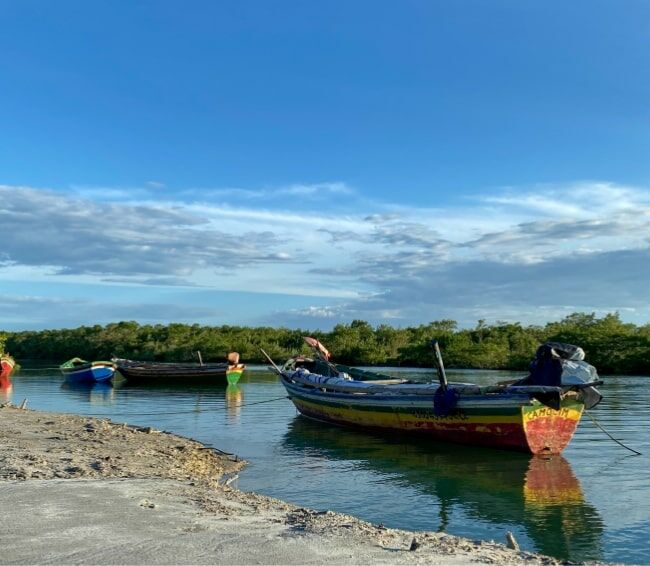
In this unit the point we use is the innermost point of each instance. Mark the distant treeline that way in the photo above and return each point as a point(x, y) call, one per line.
point(611, 345)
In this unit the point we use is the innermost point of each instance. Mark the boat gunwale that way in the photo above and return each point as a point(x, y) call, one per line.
point(85, 365)
point(413, 389)
point(496, 401)
point(147, 365)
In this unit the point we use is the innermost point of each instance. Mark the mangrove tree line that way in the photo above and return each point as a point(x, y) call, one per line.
point(611, 345)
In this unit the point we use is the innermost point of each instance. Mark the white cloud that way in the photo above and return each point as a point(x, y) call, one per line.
point(110, 194)
point(513, 253)
point(156, 185)
point(319, 312)
point(25, 311)
point(78, 236)
point(575, 201)
point(314, 191)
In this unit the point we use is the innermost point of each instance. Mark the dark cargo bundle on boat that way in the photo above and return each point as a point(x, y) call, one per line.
point(557, 365)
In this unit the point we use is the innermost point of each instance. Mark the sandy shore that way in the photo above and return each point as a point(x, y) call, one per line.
point(78, 490)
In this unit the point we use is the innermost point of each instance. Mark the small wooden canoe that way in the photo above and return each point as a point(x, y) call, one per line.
point(77, 370)
point(222, 372)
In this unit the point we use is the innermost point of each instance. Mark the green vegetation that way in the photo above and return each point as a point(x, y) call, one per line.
point(3, 338)
point(610, 344)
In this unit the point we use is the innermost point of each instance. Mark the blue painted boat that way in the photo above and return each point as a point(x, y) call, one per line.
point(77, 370)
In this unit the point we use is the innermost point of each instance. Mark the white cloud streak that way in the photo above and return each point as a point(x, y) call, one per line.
point(546, 249)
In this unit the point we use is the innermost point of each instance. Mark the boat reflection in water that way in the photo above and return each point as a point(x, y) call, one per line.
point(5, 388)
point(96, 393)
point(537, 498)
point(234, 398)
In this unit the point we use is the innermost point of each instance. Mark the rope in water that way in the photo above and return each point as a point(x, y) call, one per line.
point(189, 411)
point(607, 433)
point(22, 369)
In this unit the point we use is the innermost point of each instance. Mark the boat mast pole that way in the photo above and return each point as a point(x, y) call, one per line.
point(440, 366)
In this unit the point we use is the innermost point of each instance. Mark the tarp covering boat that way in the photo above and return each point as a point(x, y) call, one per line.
point(562, 365)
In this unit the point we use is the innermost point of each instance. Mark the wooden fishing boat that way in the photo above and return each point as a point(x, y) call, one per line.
point(537, 414)
point(77, 370)
point(7, 364)
point(138, 371)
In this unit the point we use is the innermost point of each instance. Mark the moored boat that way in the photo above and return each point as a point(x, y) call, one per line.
point(537, 414)
point(7, 364)
point(77, 370)
point(139, 371)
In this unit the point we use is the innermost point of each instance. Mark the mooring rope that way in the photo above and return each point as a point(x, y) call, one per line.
point(188, 411)
point(607, 433)
point(265, 401)
point(22, 369)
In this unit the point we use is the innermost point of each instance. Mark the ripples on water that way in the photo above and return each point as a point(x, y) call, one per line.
point(591, 503)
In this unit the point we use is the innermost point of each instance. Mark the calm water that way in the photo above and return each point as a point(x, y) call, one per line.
point(592, 503)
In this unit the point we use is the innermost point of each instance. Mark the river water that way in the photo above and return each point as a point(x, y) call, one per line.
point(593, 502)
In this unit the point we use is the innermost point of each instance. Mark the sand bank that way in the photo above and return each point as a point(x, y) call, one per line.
point(78, 490)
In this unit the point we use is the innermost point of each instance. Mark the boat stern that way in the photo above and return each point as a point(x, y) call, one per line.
point(547, 430)
point(102, 371)
point(234, 372)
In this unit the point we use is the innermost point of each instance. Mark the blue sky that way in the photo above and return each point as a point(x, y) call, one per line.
point(303, 164)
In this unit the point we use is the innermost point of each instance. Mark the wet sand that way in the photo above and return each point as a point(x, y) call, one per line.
point(79, 490)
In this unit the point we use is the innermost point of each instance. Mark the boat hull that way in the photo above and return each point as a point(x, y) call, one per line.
point(145, 372)
point(152, 371)
point(6, 366)
point(513, 422)
point(95, 373)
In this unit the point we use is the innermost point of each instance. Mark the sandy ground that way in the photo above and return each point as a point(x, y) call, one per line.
point(78, 490)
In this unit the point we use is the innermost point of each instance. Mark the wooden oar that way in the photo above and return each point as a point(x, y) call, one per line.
point(271, 362)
